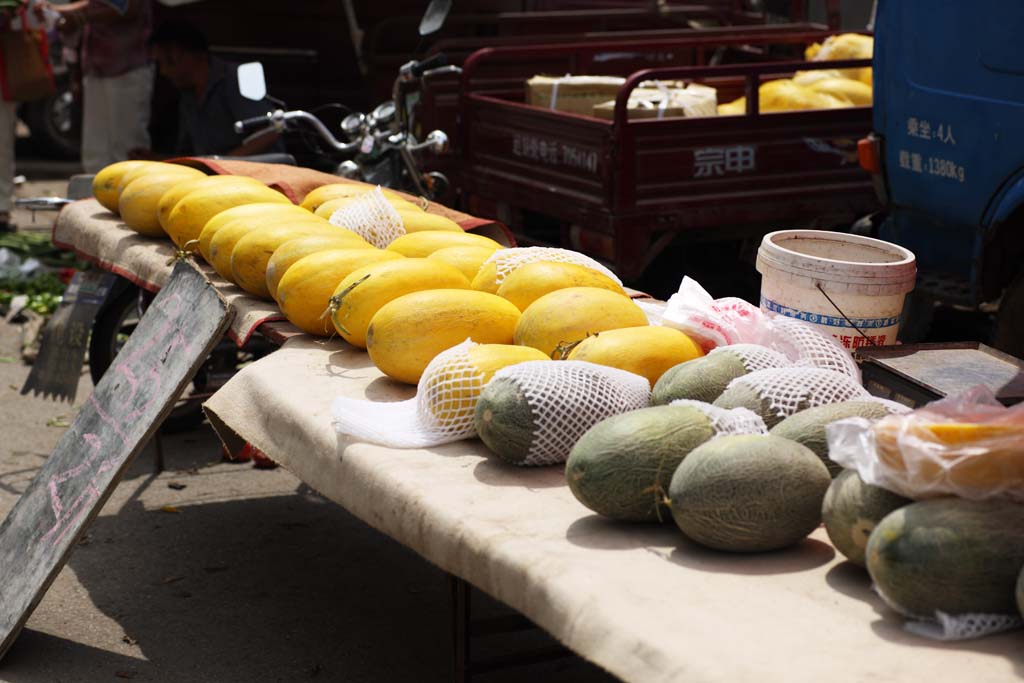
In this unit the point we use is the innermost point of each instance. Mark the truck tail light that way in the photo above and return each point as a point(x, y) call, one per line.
point(869, 153)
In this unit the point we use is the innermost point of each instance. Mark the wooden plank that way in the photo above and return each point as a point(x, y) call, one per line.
point(173, 338)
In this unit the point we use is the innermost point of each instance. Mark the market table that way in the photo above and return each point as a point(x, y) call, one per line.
point(640, 601)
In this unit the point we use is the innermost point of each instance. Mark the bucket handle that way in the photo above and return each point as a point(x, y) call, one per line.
point(821, 289)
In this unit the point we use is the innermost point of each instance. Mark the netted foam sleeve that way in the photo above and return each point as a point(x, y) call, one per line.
point(507, 260)
point(441, 411)
point(371, 217)
point(567, 398)
point(726, 421)
point(754, 356)
point(790, 390)
point(807, 347)
point(949, 627)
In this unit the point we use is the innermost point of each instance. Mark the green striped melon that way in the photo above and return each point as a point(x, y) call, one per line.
point(701, 379)
point(951, 555)
point(749, 493)
point(808, 426)
point(621, 467)
point(851, 511)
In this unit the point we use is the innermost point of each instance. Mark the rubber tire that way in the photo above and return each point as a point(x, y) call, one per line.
point(1008, 336)
point(41, 116)
point(102, 343)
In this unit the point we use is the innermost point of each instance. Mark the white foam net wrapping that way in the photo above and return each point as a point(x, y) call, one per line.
point(371, 217)
point(807, 347)
point(441, 411)
point(654, 310)
point(948, 627)
point(726, 421)
point(569, 397)
point(508, 260)
point(754, 356)
point(792, 389)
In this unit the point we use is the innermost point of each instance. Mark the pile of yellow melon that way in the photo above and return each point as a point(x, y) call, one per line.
point(820, 88)
point(424, 292)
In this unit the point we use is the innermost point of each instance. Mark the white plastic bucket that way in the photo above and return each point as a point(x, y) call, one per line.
point(848, 286)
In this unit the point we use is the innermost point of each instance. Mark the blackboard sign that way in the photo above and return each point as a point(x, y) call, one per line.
point(179, 329)
point(62, 353)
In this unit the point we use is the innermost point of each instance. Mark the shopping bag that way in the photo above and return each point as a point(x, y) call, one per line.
point(25, 71)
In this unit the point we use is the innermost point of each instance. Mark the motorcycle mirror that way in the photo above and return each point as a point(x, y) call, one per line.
point(251, 82)
point(434, 17)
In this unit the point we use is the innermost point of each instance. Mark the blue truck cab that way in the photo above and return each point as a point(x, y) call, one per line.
point(948, 148)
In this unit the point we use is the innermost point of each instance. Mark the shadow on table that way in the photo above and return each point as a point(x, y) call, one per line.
point(497, 473)
point(607, 534)
point(853, 581)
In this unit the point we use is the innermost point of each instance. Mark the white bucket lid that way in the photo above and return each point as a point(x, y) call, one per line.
point(838, 261)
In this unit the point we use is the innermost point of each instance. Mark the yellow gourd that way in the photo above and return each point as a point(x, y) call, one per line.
point(255, 215)
point(154, 167)
point(456, 393)
point(466, 259)
point(138, 202)
point(293, 250)
point(305, 291)
point(531, 281)
point(190, 214)
point(327, 209)
point(648, 351)
point(222, 245)
point(106, 185)
point(416, 220)
point(422, 244)
point(360, 295)
point(319, 195)
point(253, 250)
point(568, 315)
point(175, 194)
point(406, 333)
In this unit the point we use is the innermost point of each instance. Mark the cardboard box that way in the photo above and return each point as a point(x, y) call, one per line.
point(574, 94)
point(679, 100)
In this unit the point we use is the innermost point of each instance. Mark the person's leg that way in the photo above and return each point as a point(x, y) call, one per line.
point(131, 93)
point(8, 118)
point(95, 124)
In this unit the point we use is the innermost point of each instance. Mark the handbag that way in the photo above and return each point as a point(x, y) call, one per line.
point(25, 71)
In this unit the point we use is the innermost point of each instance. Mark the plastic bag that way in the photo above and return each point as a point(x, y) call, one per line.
point(715, 322)
point(967, 445)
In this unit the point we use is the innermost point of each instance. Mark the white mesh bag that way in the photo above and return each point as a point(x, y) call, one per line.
point(948, 627)
point(725, 422)
point(565, 398)
point(371, 217)
point(441, 411)
point(508, 260)
point(807, 347)
point(754, 356)
point(777, 393)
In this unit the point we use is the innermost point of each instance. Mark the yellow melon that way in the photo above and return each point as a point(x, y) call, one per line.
point(648, 351)
point(174, 195)
point(190, 214)
point(304, 293)
point(153, 167)
point(256, 215)
point(360, 295)
point(418, 221)
point(407, 332)
point(293, 250)
point(319, 195)
point(422, 244)
point(466, 259)
point(327, 209)
point(252, 252)
point(566, 316)
point(222, 244)
point(107, 183)
point(531, 281)
point(139, 199)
